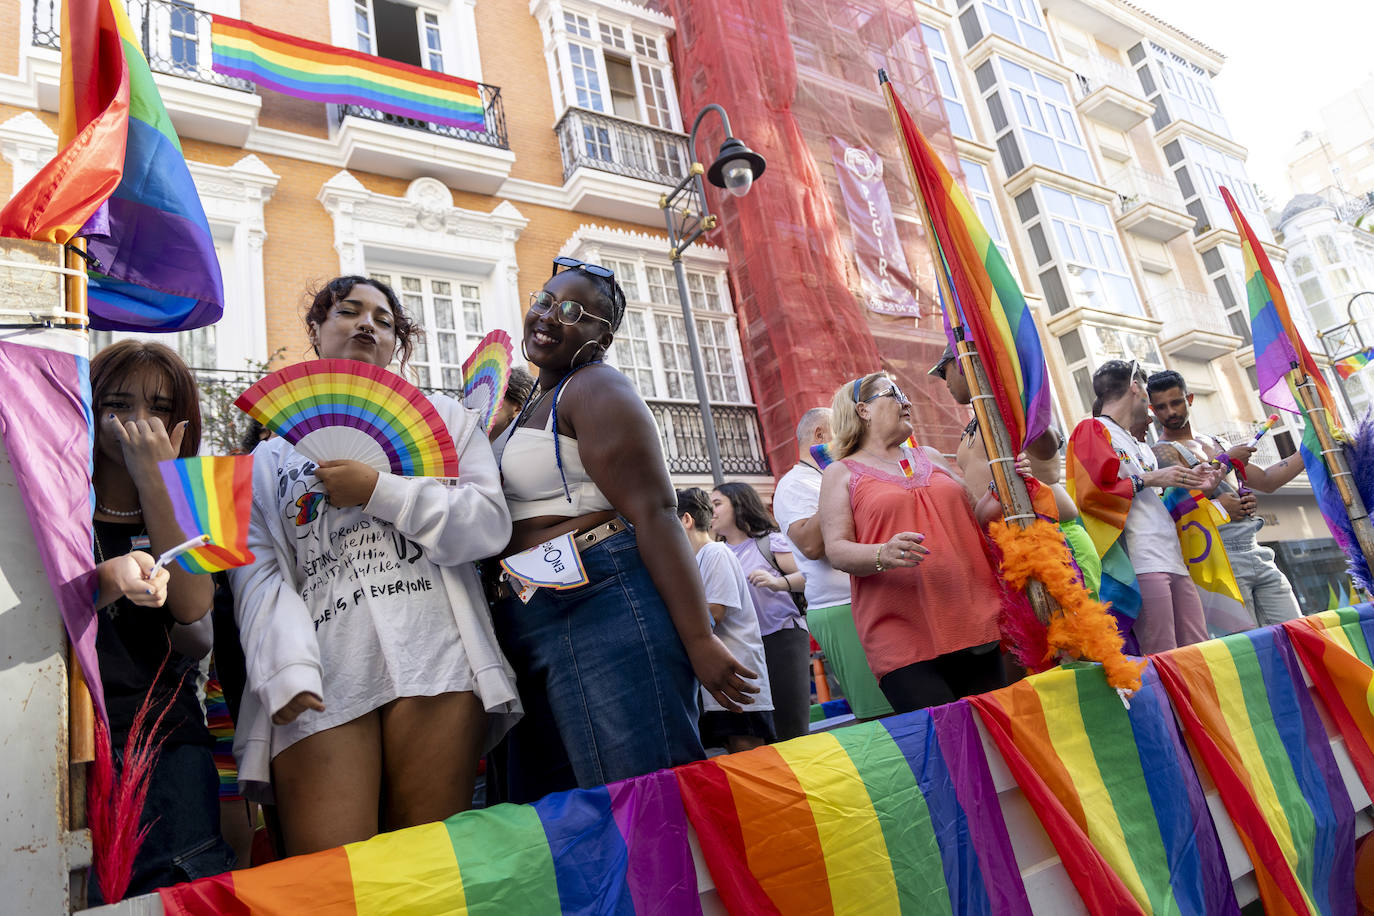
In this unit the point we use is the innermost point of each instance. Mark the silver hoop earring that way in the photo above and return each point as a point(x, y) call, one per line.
point(591, 343)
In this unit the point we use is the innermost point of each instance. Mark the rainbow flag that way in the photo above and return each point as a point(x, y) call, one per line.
point(155, 267)
point(1103, 499)
point(1114, 789)
point(1335, 648)
point(214, 496)
point(92, 127)
point(221, 728)
point(616, 849)
point(323, 73)
point(1197, 518)
point(1353, 363)
point(1252, 722)
point(895, 816)
point(1279, 350)
point(976, 284)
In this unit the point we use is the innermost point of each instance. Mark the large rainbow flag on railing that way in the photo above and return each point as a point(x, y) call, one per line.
point(1248, 714)
point(1281, 358)
point(979, 289)
point(1114, 789)
point(1335, 648)
point(93, 113)
point(324, 73)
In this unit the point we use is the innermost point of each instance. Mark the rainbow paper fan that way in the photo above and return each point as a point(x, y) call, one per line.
point(486, 375)
point(341, 410)
point(212, 496)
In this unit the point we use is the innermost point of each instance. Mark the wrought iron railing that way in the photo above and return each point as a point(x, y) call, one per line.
point(684, 440)
point(493, 132)
point(611, 144)
point(175, 37)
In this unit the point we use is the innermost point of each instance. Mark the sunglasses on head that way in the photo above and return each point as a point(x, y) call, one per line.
point(596, 270)
point(567, 311)
point(892, 391)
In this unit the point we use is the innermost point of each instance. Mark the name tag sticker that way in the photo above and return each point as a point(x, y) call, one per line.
point(553, 564)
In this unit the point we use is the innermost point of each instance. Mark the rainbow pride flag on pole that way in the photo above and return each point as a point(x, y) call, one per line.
point(212, 496)
point(323, 73)
point(1103, 497)
point(888, 817)
point(1248, 714)
point(1114, 789)
point(1197, 518)
point(92, 119)
point(1279, 350)
point(617, 849)
point(976, 284)
point(1335, 648)
point(1353, 363)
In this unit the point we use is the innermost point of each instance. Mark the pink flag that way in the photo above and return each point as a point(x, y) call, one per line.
point(47, 427)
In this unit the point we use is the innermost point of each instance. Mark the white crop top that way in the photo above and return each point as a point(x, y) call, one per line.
point(530, 478)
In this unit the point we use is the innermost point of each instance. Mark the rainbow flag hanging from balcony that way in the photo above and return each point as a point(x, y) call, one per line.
point(323, 73)
point(1354, 363)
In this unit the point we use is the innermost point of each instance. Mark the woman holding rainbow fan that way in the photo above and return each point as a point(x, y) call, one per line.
point(374, 677)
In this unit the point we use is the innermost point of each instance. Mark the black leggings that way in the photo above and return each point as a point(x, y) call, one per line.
point(788, 653)
point(945, 678)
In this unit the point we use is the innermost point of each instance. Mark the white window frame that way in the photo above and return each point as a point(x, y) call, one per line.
point(1071, 240)
point(1025, 21)
point(427, 357)
point(1188, 91)
point(1035, 110)
point(456, 21)
point(937, 46)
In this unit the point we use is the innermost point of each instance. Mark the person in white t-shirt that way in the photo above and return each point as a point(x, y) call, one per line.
point(734, 620)
point(1109, 464)
point(796, 506)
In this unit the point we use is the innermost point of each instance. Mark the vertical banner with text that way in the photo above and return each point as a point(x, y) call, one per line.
point(888, 286)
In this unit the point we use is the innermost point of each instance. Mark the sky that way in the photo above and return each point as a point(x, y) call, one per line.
point(1279, 70)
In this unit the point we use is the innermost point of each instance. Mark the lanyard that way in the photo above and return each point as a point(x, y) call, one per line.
point(553, 416)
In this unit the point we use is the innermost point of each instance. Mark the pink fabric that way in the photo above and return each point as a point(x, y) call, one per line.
point(951, 599)
point(48, 435)
point(1170, 613)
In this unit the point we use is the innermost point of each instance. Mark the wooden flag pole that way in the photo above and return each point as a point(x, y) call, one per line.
point(1011, 489)
point(1333, 455)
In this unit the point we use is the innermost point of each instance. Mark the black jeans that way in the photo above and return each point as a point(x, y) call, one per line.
point(945, 678)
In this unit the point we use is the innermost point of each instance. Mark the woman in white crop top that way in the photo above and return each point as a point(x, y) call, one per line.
point(605, 670)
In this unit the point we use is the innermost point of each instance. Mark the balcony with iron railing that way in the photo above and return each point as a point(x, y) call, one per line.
point(1149, 204)
point(1195, 326)
point(590, 139)
point(1109, 92)
point(493, 132)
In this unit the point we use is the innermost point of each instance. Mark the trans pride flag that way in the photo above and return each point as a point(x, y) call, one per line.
point(978, 291)
point(1278, 351)
point(1252, 722)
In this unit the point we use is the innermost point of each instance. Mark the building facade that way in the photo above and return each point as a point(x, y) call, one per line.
point(1085, 132)
point(1336, 158)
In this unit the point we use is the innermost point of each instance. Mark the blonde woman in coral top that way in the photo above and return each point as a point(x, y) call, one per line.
point(900, 521)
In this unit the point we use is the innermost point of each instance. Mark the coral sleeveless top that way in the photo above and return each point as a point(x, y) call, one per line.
point(951, 600)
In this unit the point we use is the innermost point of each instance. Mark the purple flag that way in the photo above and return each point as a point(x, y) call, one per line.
point(661, 875)
point(48, 430)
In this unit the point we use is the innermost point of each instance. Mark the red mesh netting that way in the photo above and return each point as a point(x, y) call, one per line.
point(792, 74)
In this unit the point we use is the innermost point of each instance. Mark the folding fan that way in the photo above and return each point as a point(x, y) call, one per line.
point(341, 409)
point(486, 375)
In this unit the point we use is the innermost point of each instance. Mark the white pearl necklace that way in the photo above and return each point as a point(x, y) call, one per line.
point(117, 514)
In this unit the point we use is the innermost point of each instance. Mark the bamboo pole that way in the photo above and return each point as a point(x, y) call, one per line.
point(80, 708)
point(1333, 455)
point(1015, 499)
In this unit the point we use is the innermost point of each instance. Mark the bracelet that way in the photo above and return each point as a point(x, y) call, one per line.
point(878, 559)
point(1137, 482)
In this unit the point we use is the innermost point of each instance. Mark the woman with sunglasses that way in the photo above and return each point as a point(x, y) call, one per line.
point(900, 521)
point(605, 669)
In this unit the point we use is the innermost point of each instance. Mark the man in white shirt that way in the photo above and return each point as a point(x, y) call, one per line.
point(796, 502)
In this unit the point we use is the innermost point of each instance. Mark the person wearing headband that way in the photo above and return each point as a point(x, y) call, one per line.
point(900, 521)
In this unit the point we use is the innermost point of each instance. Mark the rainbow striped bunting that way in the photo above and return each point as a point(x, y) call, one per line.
point(325, 73)
point(1114, 789)
point(1335, 649)
point(617, 849)
point(1249, 716)
point(977, 289)
point(214, 496)
point(896, 816)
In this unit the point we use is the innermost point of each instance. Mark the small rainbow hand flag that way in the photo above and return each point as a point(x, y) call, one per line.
point(212, 496)
point(1354, 363)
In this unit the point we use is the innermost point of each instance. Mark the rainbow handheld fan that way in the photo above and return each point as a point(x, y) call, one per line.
point(341, 409)
point(486, 373)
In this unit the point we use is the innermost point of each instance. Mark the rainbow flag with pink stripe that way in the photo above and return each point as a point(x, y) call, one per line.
point(977, 289)
point(894, 816)
point(1114, 789)
point(617, 849)
point(1251, 720)
point(1279, 350)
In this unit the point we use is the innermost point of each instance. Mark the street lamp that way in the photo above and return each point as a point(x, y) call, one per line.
point(1337, 343)
point(688, 218)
